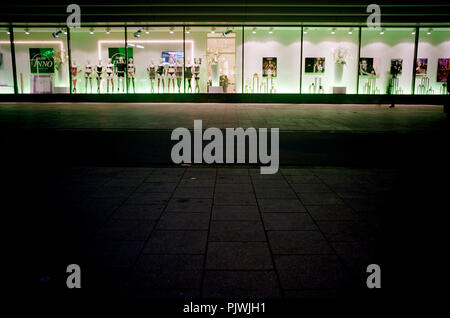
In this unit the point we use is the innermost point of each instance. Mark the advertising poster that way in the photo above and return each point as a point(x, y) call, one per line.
point(314, 65)
point(41, 61)
point(269, 66)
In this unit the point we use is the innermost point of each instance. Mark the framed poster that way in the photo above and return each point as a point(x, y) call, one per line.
point(41, 61)
point(314, 65)
point(443, 70)
point(269, 66)
point(167, 55)
point(396, 67)
point(115, 52)
point(421, 66)
point(368, 66)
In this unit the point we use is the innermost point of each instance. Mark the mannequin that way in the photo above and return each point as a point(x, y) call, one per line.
point(179, 73)
point(188, 76)
point(197, 63)
point(131, 73)
point(120, 71)
point(160, 72)
point(152, 75)
point(171, 74)
point(99, 73)
point(110, 75)
point(88, 76)
point(74, 70)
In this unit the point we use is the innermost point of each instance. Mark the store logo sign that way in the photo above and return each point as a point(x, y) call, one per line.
point(374, 20)
point(234, 150)
point(41, 61)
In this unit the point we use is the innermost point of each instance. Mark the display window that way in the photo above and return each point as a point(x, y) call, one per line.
point(433, 61)
point(330, 60)
point(6, 71)
point(156, 61)
point(272, 60)
point(41, 60)
point(213, 59)
point(386, 61)
point(98, 60)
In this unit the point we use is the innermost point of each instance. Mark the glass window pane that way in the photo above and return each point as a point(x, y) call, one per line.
point(219, 49)
point(386, 62)
point(329, 60)
point(272, 59)
point(6, 72)
point(433, 61)
point(41, 60)
point(98, 56)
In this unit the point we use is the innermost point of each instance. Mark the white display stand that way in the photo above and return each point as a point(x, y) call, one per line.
point(215, 89)
point(41, 84)
point(61, 90)
point(339, 90)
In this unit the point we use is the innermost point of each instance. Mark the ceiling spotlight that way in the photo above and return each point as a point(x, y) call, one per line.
point(225, 33)
point(171, 30)
point(254, 31)
point(333, 31)
point(57, 33)
point(7, 32)
point(91, 31)
point(27, 31)
point(213, 30)
point(429, 31)
point(108, 30)
point(188, 30)
point(146, 31)
point(350, 31)
point(270, 30)
point(137, 34)
point(382, 31)
point(413, 32)
point(305, 30)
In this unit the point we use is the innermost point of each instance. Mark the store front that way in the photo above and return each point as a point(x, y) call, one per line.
point(184, 60)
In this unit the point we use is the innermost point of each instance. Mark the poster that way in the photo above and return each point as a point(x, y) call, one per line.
point(115, 52)
point(176, 56)
point(41, 61)
point(314, 65)
point(368, 66)
point(396, 67)
point(421, 66)
point(269, 66)
point(443, 70)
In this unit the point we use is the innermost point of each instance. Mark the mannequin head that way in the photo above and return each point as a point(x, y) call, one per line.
point(170, 60)
point(100, 62)
point(109, 61)
point(120, 59)
point(89, 62)
point(161, 60)
point(130, 60)
point(152, 62)
point(74, 63)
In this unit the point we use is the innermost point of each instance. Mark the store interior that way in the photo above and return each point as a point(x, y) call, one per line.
point(200, 59)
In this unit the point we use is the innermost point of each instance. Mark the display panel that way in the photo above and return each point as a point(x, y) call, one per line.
point(433, 61)
point(273, 50)
point(98, 58)
point(158, 59)
point(41, 60)
point(213, 65)
point(386, 61)
point(6, 72)
point(329, 60)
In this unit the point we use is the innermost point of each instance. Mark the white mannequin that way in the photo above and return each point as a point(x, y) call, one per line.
point(171, 74)
point(131, 73)
point(152, 75)
point(197, 63)
point(99, 74)
point(188, 75)
point(161, 73)
point(179, 73)
point(110, 75)
point(88, 76)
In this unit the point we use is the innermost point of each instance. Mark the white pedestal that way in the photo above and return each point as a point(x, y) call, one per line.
point(215, 89)
point(339, 90)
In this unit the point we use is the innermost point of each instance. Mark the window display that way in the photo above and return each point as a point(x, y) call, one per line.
point(432, 65)
point(213, 65)
point(42, 60)
point(330, 63)
point(386, 61)
point(6, 72)
point(278, 48)
point(104, 46)
point(225, 59)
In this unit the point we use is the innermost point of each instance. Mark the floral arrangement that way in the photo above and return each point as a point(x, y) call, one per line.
point(340, 55)
point(59, 58)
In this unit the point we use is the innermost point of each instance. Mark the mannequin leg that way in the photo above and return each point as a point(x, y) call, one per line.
point(179, 84)
point(162, 82)
point(74, 85)
point(159, 81)
point(173, 84)
point(134, 87)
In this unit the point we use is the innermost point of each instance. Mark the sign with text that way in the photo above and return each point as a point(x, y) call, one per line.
point(41, 61)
